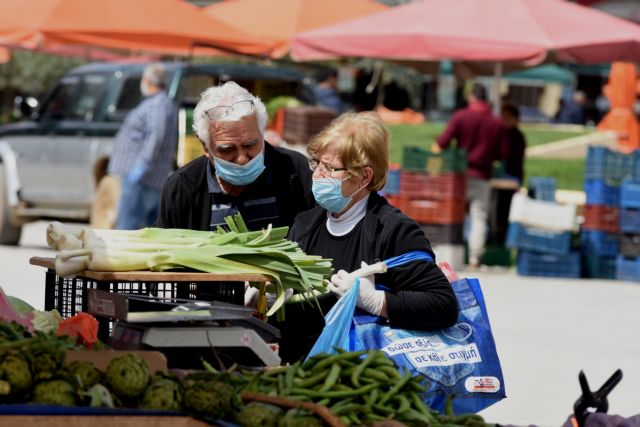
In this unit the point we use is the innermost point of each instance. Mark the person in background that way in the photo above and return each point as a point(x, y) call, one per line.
point(238, 172)
point(572, 110)
point(326, 91)
point(514, 163)
point(144, 150)
point(484, 138)
point(354, 224)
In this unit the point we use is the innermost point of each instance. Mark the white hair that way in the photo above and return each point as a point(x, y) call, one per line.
point(156, 74)
point(221, 95)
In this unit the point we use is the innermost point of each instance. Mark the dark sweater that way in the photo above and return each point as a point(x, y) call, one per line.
point(186, 202)
point(420, 296)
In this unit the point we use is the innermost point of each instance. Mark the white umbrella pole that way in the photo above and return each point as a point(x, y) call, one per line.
point(497, 80)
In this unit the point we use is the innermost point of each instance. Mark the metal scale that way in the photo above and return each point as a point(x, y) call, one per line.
point(187, 331)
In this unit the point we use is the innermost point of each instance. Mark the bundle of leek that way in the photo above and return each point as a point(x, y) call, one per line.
point(236, 250)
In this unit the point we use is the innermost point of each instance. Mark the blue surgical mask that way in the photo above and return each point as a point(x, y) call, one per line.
point(236, 174)
point(328, 194)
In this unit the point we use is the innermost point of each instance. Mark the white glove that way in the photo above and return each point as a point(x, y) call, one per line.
point(369, 299)
point(251, 295)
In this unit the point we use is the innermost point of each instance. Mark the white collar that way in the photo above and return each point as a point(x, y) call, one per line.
point(348, 220)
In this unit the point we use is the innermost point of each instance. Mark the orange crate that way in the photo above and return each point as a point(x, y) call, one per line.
point(602, 218)
point(399, 202)
point(436, 211)
point(433, 187)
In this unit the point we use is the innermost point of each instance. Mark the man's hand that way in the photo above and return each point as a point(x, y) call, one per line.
point(369, 299)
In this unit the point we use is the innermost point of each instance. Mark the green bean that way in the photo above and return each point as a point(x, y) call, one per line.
point(333, 376)
point(381, 359)
point(355, 376)
point(325, 363)
point(275, 371)
point(281, 387)
point(354, 419)
point(371, 400)
point(390, 371)
point(378, 376)
point(419, 404)
point(403, 402)
point(346, 409)
point(311, 381)
point(322, 394)
point(290, 375)
point(396, 388)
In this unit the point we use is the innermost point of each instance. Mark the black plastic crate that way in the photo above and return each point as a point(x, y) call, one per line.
point(443, 233)
point(630, 245)
point(69, 295)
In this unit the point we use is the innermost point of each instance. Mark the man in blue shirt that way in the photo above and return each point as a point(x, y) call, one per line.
point(143, 152)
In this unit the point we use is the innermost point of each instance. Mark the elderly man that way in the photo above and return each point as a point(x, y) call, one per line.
point(143, 152)
point(239, 171)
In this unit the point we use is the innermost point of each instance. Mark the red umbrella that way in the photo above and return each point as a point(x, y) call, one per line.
point(478, 30)
point(282, 19)
point(159, 25)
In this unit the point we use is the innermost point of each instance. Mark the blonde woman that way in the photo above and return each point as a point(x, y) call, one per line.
point(353, 224)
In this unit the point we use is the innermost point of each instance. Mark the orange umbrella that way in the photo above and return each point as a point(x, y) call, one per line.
point(282, 19)
point(161, 25)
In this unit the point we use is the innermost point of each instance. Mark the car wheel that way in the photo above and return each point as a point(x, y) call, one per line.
point(9, 233)
point(104, 208)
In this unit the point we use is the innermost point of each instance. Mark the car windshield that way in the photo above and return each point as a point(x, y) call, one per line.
point(75, 98)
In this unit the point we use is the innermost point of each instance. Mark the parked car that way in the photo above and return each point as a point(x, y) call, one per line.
point(52, 165)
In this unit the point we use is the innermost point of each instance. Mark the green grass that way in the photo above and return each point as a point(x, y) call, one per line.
point(568, 173)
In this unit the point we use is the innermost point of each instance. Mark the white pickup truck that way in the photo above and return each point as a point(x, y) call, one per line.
point(51, 166)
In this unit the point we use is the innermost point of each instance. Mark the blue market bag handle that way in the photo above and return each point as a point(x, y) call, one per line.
point(339, 319)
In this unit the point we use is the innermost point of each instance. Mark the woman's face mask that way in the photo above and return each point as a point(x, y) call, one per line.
point(328, 194)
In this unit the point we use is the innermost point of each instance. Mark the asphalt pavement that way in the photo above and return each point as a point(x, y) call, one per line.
point(546, 331)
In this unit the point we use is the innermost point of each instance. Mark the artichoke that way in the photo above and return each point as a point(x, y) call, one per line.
point(210, 399)
point(258, 415)
point(299, 418)
point(55, 392)
point(16, 372)
point(163, 394)
point(85, 373)
point(127, 376)
point(48, 357)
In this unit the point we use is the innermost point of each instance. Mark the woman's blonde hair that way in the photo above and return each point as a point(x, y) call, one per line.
point(362, 140)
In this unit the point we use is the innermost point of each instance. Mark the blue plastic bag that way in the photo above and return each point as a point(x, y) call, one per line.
point(460, 361)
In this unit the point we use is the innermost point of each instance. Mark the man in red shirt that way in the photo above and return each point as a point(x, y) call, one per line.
point(484, 138)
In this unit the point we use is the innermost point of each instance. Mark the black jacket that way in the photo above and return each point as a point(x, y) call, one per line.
point(185, 201)
point(421, 297)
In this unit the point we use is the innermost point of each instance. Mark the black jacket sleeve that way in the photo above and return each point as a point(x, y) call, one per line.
point(420, 296)
point(170, 199)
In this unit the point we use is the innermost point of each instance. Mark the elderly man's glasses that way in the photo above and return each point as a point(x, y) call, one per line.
point(221, 112)
point(323, 167)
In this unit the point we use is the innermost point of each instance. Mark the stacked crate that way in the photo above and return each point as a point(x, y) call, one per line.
point(600, 231)
point(431, 189)
point(541, 231)
point(304, 122)
point(628, 261)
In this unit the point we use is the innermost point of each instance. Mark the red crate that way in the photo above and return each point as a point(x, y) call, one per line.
point(399, 202)
point(602, 218)
point(436, 211)
point(433, 187)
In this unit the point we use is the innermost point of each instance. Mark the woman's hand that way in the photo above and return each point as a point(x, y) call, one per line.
point(369, 299)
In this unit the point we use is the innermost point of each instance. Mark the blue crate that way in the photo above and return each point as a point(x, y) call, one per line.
point(533, 239)
point(603, 163)
point(542, 188)
point(599, 243)
point(628, 268)
point(636, 165)
point(630, 194)
point(548, 265)
point(630, 220)
point(594, 267)
point(392, 187)
point(600, 192)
